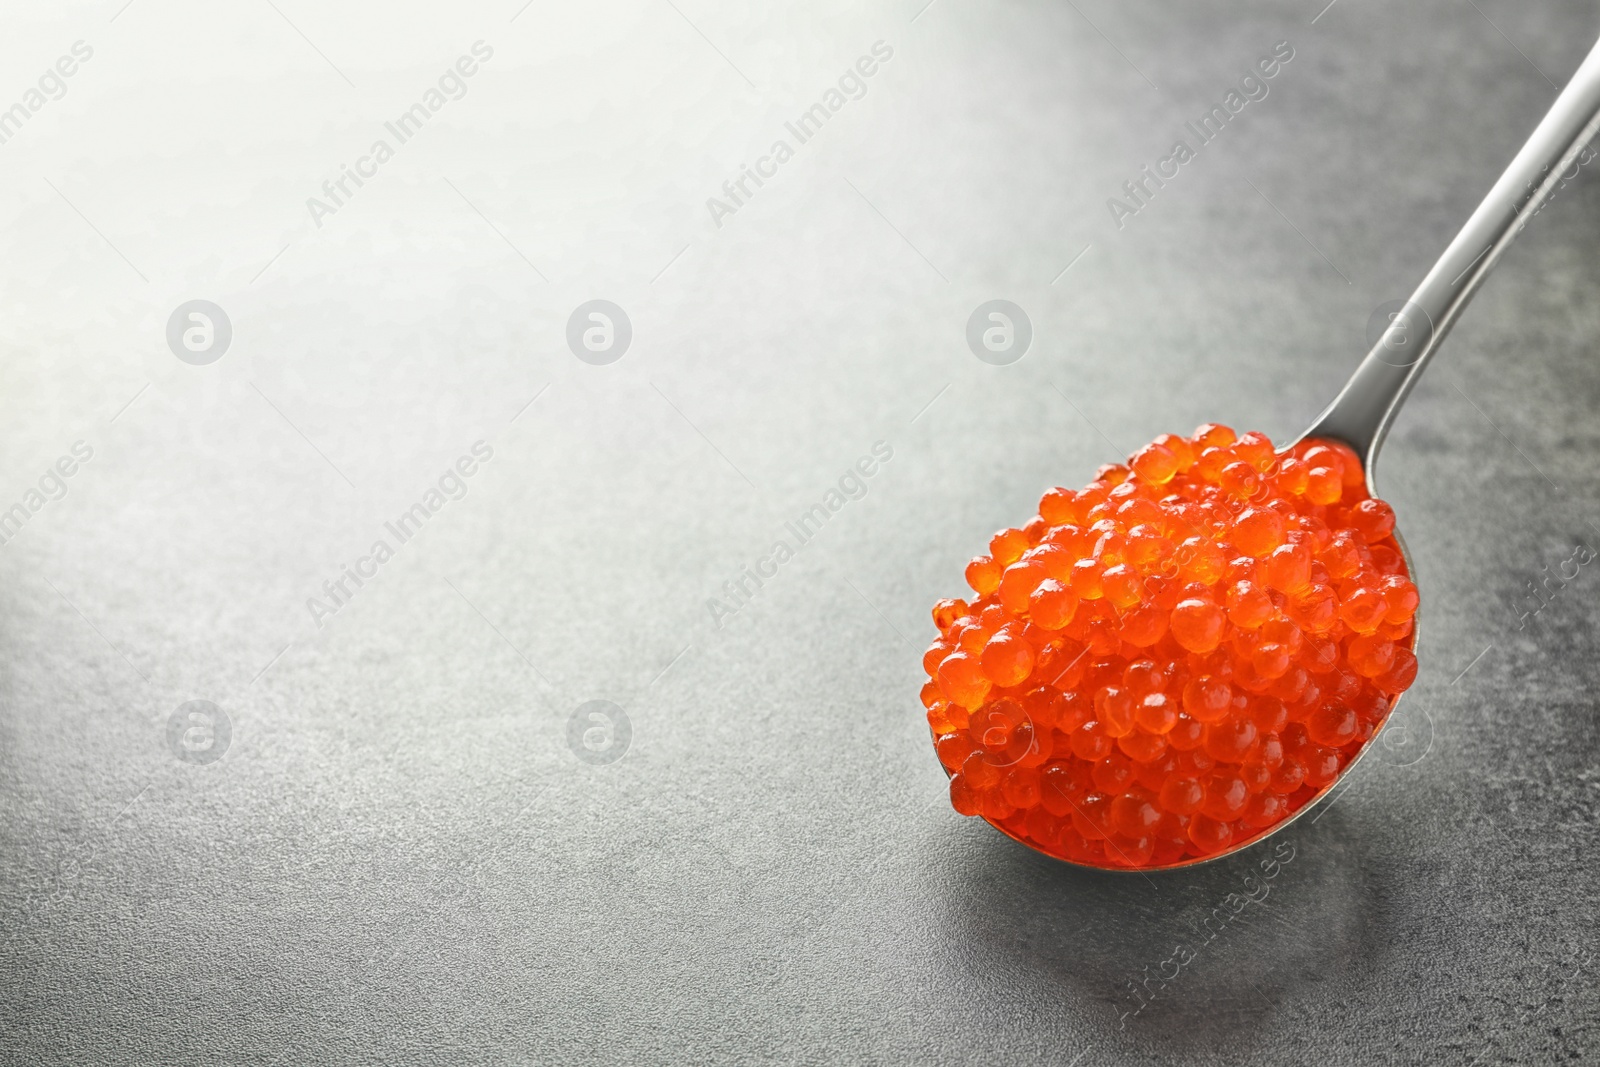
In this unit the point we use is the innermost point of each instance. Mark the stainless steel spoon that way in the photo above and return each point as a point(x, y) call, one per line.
point(1362, 412)
point(1360, 415)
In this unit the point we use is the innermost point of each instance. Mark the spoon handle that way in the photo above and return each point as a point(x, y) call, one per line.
point(1360, 415)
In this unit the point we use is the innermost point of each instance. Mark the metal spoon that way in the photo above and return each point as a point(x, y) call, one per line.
point(1360, 415)
point(1362, 412)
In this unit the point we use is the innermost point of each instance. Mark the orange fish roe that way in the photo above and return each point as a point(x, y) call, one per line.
point(1171, 661)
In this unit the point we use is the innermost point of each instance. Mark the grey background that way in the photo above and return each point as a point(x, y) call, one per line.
point(399, 859)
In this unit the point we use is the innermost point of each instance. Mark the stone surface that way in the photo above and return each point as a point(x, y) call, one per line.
point(400, 855)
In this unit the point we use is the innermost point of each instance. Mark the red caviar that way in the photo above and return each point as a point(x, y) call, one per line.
point(1171, 661)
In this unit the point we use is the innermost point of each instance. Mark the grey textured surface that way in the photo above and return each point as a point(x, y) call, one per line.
point(399, 858)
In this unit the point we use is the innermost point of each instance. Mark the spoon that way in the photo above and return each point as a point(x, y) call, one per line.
point(1362, 412)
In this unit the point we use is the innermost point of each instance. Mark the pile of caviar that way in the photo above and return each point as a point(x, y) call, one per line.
point(1167, 663)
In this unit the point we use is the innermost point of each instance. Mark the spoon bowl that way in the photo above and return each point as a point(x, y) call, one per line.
point(1292, 817)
